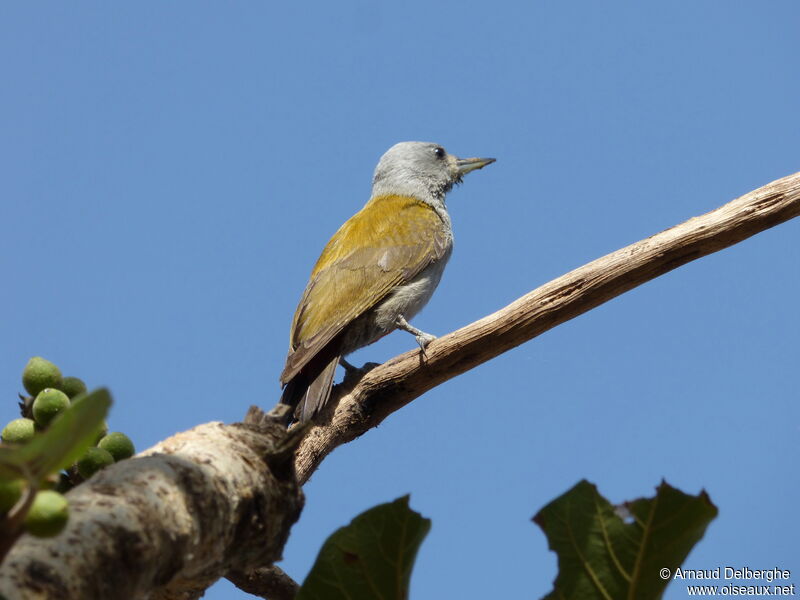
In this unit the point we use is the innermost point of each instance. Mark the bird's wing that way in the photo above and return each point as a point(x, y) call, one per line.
point(388, 243)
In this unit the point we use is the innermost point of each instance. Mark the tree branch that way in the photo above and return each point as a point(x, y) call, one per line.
point(168, 523)
point(355, 408)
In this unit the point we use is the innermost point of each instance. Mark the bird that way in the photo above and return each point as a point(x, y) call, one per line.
point(376, 272)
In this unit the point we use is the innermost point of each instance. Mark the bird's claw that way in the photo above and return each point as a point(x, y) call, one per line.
point(423, 339)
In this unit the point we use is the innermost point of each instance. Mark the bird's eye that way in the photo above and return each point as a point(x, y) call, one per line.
point(439, 152)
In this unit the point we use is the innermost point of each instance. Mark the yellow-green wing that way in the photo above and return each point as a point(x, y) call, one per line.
point(388, 243)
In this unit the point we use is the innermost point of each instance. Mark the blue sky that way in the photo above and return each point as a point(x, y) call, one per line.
point(171, 171)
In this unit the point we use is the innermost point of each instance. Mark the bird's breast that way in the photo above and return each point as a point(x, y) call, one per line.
point(406, 300)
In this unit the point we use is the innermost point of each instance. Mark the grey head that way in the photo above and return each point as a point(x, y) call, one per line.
point(422, 170)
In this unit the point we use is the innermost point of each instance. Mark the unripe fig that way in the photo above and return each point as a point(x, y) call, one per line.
point(72, 386)
point(48, 514)
point(39, 374)
point(118, 444)
point(18, 431)
point(94, 460)
point(48, 404)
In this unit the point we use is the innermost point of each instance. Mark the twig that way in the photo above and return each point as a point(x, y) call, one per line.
point(270, 583)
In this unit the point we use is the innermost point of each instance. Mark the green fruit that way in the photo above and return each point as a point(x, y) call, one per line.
point(72, 386)
point(40, 374)
point(18, 431)
point(118, 445)
point(10, 492)
point(94, 460)
point(48, 514)
point(48, 404)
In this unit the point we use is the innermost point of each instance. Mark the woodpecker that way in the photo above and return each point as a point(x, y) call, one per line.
point(376, 272)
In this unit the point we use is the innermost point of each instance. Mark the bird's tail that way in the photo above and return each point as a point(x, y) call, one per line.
point(309, 396)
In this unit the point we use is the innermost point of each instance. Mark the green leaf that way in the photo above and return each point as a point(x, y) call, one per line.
point(63, 442)
point(602, 556)
point(370, 558)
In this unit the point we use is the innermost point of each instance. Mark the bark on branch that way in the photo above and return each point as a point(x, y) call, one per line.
point(397, 382)
point(168, 523)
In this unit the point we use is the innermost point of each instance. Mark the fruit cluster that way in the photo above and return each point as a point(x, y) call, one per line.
point(50, 395)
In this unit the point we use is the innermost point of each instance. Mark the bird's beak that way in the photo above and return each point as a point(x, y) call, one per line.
point(465, 165)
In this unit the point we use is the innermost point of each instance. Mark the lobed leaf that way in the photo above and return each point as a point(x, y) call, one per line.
point(602, 556)
point(370, 558)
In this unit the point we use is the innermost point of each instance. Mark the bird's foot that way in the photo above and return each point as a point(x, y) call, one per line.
point(423, 339)
point(352, 372)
